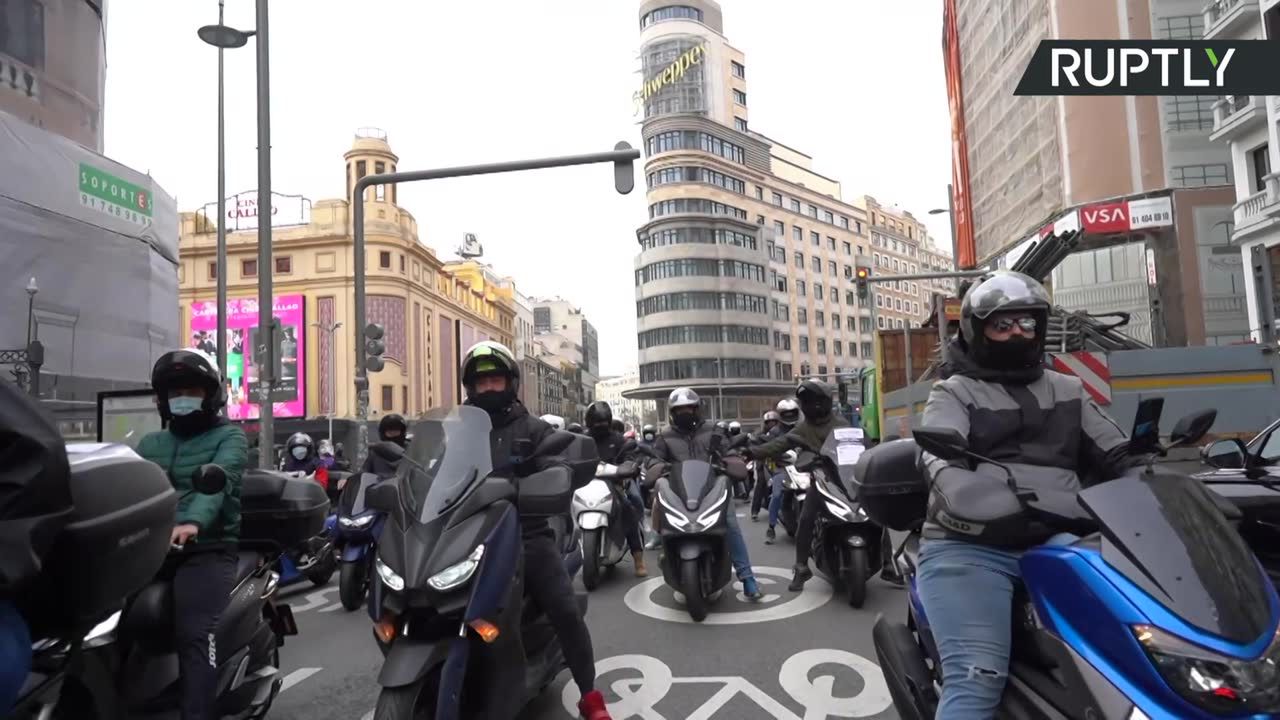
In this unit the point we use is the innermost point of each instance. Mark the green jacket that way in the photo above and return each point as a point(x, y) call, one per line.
point(807, 434)
point(217, 516)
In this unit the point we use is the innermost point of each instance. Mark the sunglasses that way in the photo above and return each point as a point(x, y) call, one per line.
point(1006, 324)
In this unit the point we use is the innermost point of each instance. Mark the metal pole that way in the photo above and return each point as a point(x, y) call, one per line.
point(906, 342)
point(221, 263)
point(622, 154)
point(951, 213)
point(266, 368)
point(333, 376)
point(31, 314)
point(719, 389)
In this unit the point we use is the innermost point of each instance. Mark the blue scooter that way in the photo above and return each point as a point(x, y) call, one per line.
point(315, 559)
point(356, 539)
point(1158, 612)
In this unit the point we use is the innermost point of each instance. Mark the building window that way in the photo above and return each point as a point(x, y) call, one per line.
point(697, 235)
point(707, 368)
point(795, 206)
point(703, 267)
point(284, 265)
point(837, 347)
point(813, 211)
point(831, 265)
point(22, 32)
point(694, 140)
point(804, 343)
point(799, 260)
point(816, 262)
point(404, 398)
point(672, 12)
point(738, 70)
point(800, 288)
point(682, 334)
point(388, 404)
point(213, 271)
point(844, 222)
point(1181, 27)
point(819, 318)
point(835, 295)
point(777, 199)
point(797, 234)
point(740, 97)
point(695, 205)
point(817, 292)
point(402, 264)
point(760, 193)
point(248, 268)
point(739, 124)
point(1260, 164)
point(379, 191)
point(1189, 112)
point(815, 239)
point(384, 259)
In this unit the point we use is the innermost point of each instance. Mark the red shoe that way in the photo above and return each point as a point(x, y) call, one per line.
point(592, 707)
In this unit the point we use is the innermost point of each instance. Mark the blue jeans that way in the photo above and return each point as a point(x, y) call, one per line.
point(738, 547)
point(775, 499)
point(15, 656)
point(967, 593)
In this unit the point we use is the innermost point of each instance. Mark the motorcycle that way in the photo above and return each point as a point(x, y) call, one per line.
point(313, 559)
point(597, 512)
point(453, 623)
point(693, 502)
point(795, 487)
point(130, 669)
point(356, 537)
point(1158, 611)
point(845, 539)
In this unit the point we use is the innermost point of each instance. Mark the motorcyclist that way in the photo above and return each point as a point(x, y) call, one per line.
point(615, 450)
point(190, 395)
point(769, 423)
point(554, 421)
point(616, 425)
point(690, 438)
point(491, 375)
point(814, 398)
point(575, 428)
point(35, 504)
point(788, 416)
point(648, 434)
point(1046, 429)
point(392, 428)
point(735, 428)
point(300, 454)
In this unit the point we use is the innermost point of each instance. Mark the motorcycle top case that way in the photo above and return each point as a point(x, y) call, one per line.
point(280, 510)
point(890, 486)
point(115, 542)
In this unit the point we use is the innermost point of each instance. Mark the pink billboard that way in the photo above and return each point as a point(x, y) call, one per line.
point(289, 396)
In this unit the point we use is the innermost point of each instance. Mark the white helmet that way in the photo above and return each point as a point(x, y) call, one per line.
point(735, 427)
point(789, 411)
point(554, 421)
point(682, 397)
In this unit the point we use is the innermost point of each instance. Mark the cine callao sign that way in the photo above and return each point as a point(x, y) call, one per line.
point(670, 74)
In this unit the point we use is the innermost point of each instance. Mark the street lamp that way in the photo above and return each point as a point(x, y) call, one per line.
point(222, 37)
point(329, 330)
point(32, 289)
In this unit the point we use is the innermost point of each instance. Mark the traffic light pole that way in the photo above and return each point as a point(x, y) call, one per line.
point(622, 157)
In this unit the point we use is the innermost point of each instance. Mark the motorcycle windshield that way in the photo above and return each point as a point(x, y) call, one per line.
point(352, 500)
point(842, 449)
point(1166, 535)
point(449, 452)
point(694, 477)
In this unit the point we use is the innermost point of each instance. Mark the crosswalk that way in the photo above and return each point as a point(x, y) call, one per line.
point(295, 678)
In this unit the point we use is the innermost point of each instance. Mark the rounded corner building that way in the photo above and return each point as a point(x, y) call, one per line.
point(731, 213)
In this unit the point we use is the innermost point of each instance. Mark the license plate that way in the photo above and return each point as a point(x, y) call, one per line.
point(281, 620)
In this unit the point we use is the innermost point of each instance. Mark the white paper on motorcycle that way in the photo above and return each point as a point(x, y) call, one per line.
point(449, 453)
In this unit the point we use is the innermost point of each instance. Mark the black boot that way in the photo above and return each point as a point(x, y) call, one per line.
point(802, 575)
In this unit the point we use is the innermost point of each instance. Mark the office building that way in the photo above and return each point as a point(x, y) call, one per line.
point(745, 275)
point(431, 311)
point(566, 333)
point(632, 411)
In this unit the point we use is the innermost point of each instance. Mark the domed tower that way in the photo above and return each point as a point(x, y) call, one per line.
point(371, 154)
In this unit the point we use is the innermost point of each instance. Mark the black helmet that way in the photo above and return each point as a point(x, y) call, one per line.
point(393, 421)
point(599, 413)
point(186, 369)
point(788, 411)
point(299, 440)
point(1004, 292)
point(491, 358)
point(648, 432)
point(814, 398)
point(618, 426)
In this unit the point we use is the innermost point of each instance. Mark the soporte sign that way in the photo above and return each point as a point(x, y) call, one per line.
point(243, 212)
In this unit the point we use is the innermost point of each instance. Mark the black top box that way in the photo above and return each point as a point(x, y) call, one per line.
point(280, 510)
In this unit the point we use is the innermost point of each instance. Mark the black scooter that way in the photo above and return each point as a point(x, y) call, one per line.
point(693, 502)
point(459, 639)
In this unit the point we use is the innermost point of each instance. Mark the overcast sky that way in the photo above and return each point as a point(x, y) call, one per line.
point(856, 84)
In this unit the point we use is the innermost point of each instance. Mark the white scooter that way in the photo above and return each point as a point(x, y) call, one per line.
point(597, 511)
point(794, 489)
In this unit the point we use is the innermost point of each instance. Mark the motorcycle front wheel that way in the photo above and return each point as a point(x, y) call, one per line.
point(691, 585)
point(410, 702)
point(352, 581)
point(855, 576)
point(591, 559)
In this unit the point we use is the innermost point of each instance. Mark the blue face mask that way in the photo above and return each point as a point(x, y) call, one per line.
point(182, 405)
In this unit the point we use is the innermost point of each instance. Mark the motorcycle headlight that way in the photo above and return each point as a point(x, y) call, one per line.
point(801, 480)
point(355, 522)
point(389, 576)
point(678, 519)
point(839, 511)
point(455, 575)
point(1212, 681)
point(709, 517)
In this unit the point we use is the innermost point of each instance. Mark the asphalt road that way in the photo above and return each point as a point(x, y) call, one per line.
point(794, 656)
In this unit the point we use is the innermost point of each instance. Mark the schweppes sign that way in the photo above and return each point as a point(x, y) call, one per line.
point(670, 74)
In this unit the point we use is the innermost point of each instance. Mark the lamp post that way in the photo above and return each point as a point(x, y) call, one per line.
point(222, 37)
point(950, 210)
point(32, 289)
point(329, 330)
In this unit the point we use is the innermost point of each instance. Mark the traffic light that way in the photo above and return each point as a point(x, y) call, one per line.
point(862, 275)
point(374, 347)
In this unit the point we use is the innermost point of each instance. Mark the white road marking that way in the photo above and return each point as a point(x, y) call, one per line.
point(297, 676)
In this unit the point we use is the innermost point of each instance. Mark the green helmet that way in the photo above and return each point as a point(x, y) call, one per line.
point(491, 358)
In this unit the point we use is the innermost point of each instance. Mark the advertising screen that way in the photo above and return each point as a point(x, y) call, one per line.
point(126, 416)
point(288, 397)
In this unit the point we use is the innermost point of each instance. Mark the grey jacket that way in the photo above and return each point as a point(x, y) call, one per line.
point(1042, 424)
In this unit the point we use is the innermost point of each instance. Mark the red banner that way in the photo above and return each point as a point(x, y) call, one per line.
point(1105, 218)
point(962, 202)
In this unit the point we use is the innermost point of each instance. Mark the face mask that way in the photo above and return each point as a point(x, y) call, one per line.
point(685, 421)
point(1016, 353)
point(600, 430)
point(300, 452)
point(648, 437)
point(491, 402)
point(184, 405)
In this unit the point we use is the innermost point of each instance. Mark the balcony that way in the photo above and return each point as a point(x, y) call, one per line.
point(16, 77)
point(1226, 18)
point(1236, 113)
point(1258, 211)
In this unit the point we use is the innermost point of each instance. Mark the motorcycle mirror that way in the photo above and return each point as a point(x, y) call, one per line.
point(1191, 428)
point(209, 479)
point(946, 443)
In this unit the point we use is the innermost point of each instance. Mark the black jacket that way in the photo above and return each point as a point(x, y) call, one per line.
point(614, 448)
point(509, 428)
point(380, 462)
point(674, 446)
